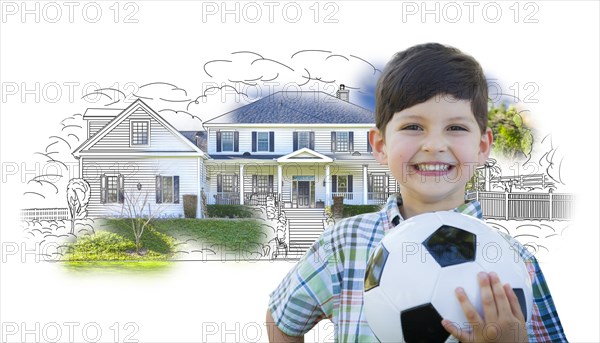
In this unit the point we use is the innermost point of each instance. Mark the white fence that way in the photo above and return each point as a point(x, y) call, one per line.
point(44, 214)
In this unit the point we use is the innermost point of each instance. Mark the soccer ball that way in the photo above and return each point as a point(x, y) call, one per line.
point(412, 274)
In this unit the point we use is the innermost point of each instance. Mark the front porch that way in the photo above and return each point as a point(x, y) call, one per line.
point(292, 186)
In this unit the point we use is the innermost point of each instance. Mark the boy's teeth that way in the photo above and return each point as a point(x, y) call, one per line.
point(432, 167)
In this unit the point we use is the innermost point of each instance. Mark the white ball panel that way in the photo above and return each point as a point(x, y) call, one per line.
point(444, 296)
point(409, 280)
point(383, 317)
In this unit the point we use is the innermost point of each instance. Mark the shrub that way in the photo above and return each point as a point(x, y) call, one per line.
point(229, 211)
point(353, 210)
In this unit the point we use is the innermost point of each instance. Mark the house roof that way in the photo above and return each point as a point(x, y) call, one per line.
point(102, 113)
point(199, 138)
point(297, 108)
point(83, 148)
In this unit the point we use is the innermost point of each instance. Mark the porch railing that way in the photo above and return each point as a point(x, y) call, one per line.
point(257, 198)
point(227, 198)
point(346, 195)
point(378, 197)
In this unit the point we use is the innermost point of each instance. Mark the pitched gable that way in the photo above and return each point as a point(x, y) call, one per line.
point(137, 129)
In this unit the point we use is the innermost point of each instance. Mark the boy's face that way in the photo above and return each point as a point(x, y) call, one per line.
point(432, 149)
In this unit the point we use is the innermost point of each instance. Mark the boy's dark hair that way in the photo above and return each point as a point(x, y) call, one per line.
point(423, 71)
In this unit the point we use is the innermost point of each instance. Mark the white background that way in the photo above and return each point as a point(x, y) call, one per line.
point(172, 41)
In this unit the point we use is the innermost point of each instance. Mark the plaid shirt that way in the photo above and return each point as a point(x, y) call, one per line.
point(328, 281)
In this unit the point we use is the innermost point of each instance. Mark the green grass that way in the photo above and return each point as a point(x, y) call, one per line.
point(238, 234)
point(113, 245)
point(229, 211)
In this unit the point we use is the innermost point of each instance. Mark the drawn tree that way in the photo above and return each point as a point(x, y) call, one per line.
point(137, 208)
point(78, 197)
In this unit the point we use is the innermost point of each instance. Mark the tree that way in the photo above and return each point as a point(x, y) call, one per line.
point(511, 135)
point(78, 197)
point(134, 208)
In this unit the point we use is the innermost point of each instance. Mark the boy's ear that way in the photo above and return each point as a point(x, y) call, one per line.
point(376, 139)
point(485, 146)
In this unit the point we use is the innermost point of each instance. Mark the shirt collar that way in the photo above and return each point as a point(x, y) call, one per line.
point(393, 216)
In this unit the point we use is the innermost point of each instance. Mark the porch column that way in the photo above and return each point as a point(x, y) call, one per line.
point(279, 181)
point(241, 183)
point(365, 185)
point(327, 185)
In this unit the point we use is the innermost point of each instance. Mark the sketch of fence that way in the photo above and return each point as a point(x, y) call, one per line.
point(509, 206)
point(44, 214)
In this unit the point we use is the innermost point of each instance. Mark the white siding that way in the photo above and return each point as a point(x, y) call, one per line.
point(144, 171)
point(284, 140)
point(161, 139)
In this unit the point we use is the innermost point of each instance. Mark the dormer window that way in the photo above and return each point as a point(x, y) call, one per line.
point(140, 132)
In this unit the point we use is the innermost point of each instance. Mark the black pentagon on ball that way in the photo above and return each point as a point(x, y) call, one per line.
point(423, 324)
point(522, 302)
point(450, 246)
point(375, 268)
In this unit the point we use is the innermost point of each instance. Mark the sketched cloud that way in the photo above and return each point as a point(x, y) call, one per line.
point(54, 164)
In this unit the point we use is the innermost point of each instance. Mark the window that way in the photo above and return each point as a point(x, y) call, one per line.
point(303, 139)
point(342, 141)
point(263, 141)
point(112, 189)
point(377, 186)
point(140, 132)
point(262, 184)
point(342, 183)
point(167, 189)
point(227, 183)
point(227, 141)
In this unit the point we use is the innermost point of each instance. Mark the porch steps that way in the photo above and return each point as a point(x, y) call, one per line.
point(305, 226)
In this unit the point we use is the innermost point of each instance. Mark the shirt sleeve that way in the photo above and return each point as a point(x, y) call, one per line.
point(303, 298)
point(545, 324)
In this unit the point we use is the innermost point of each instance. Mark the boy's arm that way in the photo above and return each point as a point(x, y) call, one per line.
point(276, 335)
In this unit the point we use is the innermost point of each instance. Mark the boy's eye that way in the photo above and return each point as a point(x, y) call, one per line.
point(457, 128)
point(411, 127)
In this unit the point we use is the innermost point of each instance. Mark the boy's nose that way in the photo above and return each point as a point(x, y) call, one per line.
point(434, 143)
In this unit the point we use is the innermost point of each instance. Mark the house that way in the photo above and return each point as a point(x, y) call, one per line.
point(304, 148)
point(135, 152)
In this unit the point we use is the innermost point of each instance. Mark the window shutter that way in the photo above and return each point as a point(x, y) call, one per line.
point(370, 184)
point(158, 189)
point(270, 183)
point(218, 141)
point(349, 183)
point(253, 141)
point(312, 141)
point(333, 142)
point(176, 189)
point(219, 183)
point(235, 183)
point(369, 148)
point(121, 188)
point(103, 188)
point(236, 141)
point(295, 140)
point(271, 141)
point(334, 183)
point(254, 184)
point(351, 141)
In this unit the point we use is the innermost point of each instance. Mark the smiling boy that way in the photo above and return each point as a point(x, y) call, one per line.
point(431, 131)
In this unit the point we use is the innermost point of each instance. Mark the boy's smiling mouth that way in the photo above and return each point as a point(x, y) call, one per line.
point(432, 168)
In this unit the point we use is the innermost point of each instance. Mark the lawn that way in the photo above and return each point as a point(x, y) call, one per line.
point(165, 240)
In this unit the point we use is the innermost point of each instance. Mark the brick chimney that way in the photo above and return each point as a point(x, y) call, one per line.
point(343, 93)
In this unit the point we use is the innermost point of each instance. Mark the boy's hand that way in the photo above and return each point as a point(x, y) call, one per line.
point(503, 320)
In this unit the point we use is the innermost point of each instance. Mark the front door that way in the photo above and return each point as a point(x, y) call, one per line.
point(303, 193)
